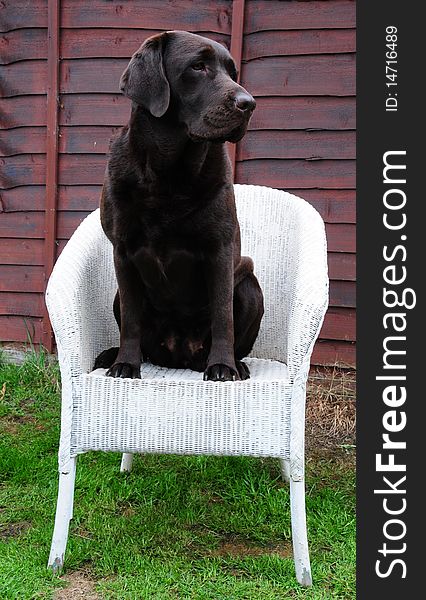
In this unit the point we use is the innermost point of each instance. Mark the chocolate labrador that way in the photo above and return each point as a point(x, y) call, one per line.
point(186, 297)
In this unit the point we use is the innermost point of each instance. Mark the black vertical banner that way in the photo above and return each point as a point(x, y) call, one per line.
point(391, 327)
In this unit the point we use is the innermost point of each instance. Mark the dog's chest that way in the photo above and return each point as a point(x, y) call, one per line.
point(166, 242)
point(172, 274)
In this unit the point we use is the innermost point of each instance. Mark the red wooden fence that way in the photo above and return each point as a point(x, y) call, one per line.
point(60, 65)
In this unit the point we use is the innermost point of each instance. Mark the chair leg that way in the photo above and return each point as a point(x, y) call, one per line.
point(285, 469)
point(64, 513)
point(300, 537)
point(126, 462)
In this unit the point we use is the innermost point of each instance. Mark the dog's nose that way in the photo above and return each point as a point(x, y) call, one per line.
point(245, 101)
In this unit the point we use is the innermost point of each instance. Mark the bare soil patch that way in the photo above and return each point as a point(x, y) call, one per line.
point(80, 585)
point(11, 530)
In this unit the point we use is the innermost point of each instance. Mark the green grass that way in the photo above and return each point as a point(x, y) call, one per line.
point(175, 527)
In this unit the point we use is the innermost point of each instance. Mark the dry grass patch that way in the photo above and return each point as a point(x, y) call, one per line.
point(331, 408)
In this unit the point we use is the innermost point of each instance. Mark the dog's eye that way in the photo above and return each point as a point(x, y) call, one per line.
point(199, 66)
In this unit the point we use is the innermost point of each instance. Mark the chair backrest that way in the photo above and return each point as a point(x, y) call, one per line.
point(275, 228)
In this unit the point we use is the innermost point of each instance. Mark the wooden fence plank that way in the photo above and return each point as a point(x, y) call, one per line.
point(88, 75)
point(150, 14)
point(24, 169)
point(343, 293)
point(334, 353)
point(335, 206)
point(21, 329)
point(23, 303)
point(22, 13)
point(205, 16)
point(85, 139)
point(264, 15)
point(341, 237)
point(110, 110)
point(341, 265)
point(23, 78)
point(297, 144)
point(121, 43)
point(304, 113)
point(23, 140)
point(79, 198)
point(330, 75)
point(68, 223)
point(28, 225)
point(305, 41)
point(22, 111)
point(23, 198)
point(82, 168)
point(21, 251)
point(330, 174)
point(23, 44)
point(339, 324)
point(20, 278)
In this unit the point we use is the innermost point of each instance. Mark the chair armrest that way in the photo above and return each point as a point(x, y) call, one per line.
point(79, 297)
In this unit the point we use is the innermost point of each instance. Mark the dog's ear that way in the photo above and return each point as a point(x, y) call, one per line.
point(144, 80)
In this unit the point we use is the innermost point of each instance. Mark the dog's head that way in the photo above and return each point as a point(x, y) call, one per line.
point(193, 79)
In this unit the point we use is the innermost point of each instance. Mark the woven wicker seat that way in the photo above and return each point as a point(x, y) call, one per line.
point(174, 410)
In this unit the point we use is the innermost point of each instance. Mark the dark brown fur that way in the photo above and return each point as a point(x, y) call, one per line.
point(186, 297)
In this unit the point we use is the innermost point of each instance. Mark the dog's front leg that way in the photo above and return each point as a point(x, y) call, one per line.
point(220, 281)
point(129, 358)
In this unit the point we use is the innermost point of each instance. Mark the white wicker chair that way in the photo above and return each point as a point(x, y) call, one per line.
point(175, 411)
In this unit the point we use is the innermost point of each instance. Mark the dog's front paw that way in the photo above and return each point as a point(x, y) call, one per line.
point(124, 371)
point(220, 372)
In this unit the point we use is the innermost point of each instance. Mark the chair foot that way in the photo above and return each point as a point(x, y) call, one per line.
point(64, 513)
point(126, 462)
point(299, 533)
point(56, 564)
point(285, 469)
